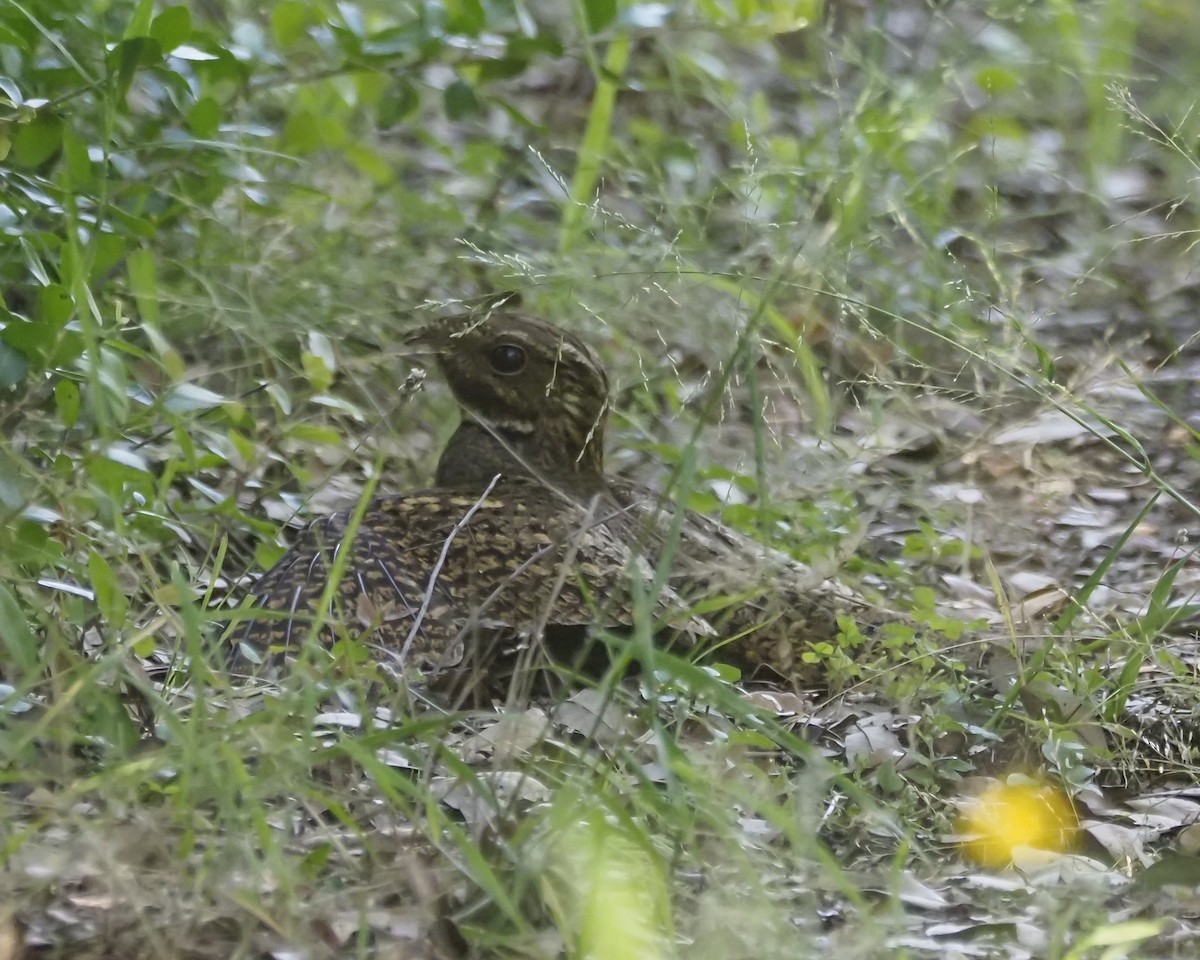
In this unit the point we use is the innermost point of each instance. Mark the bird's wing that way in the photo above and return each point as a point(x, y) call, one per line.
point(426, 572)
point(770, 608)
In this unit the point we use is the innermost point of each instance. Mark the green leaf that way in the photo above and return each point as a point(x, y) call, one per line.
point(30, 543)
point(55, 305)
point(109, 596)
point(204, 118)
point(107, 249)
point(313, 433)
point(35, 341)
point(266, 555)
point(1117, 934)
point(10, 38)
point(289, 20)
point(596, 143)
point(467, 17)
point(171, 27)
point(397, 104)
point(1172, 870)
point(11, 91)
point(246, 449)
point(997, 79)
point(78, 165)
point(302, 133)
point(189, 397)
point(312, 865)
point(68, 347)
point(106, 718)
point(373, 164)
point(315, 370)
point(399, 41)
point(599, 14)
point(142, 281)
point(139, 23)
point(18, 639)
point(66, 399)
point(369, 87)
point(38, 141)
point(127, 56)
point(460, 101)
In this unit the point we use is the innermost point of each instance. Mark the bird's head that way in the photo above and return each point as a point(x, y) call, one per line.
point(537, 390)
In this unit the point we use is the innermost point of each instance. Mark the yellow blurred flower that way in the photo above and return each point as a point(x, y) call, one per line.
point(1016, 814)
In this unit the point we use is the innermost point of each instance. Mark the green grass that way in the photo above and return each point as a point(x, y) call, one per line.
point(827, 270)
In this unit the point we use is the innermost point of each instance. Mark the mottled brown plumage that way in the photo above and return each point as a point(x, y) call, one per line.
point(523, 534)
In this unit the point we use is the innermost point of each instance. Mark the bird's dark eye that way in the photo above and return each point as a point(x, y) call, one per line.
point(507, 358)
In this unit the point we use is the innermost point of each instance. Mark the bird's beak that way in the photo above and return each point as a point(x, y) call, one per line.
point(430, 340)
point(437, 337)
